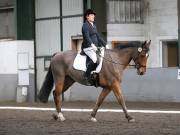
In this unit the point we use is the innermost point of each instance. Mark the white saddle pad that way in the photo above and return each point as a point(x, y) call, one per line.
point(80, 62)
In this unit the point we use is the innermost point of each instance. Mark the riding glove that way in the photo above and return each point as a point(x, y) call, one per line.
point(107, 46)
point(94, 47)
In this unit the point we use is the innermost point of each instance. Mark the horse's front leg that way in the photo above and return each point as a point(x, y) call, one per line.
point(57, 99)
point(101, 98)
point(118, 93)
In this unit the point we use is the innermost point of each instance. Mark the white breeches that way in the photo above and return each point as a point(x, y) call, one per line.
point(91, 53)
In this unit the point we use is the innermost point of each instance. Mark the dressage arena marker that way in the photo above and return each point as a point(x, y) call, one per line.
point(85, 110)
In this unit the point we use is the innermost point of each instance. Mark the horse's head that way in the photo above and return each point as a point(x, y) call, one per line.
point(141, 56)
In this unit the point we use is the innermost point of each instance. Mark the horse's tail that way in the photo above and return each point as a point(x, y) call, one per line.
point(46, 87)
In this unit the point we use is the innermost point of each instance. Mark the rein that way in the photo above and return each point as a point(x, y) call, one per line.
point(138, 65)
point(111, 61)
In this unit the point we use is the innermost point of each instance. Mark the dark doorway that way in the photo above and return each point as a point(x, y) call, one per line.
point(170, 53)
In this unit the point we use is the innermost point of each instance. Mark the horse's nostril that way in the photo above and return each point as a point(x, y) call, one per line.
point(141, 73)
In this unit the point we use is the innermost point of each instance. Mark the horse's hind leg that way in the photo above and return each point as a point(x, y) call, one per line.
point(101, 98)
point(67, 83)
point(117, 92)
point(57, 99)
point(60, 88)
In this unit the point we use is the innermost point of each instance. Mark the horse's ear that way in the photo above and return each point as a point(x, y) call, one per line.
point(145, 42)
point(148, 44)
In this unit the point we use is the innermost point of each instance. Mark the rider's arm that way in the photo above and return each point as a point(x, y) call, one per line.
point(100, 39)
point(85, 30)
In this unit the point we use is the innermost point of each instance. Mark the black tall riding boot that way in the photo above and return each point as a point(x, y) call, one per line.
point(90, 67)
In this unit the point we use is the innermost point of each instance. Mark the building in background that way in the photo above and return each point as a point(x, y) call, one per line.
point(138, 20)
point(17, 50)
point(54, 25)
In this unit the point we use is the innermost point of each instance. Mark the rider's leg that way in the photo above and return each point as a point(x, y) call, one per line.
point(90, 67)
point(91, 54)
point(92, 64)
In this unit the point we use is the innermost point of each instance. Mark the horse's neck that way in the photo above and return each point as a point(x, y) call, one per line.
point(122, 56)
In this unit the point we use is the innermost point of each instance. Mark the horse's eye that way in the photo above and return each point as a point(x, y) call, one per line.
point(144, 55)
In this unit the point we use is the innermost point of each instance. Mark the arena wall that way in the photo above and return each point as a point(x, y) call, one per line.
point(9, 68)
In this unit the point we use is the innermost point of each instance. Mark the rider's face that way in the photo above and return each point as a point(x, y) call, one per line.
point(90, 17)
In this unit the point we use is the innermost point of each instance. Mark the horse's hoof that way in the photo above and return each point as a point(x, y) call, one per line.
point(93, 119)
point(131, 120)
point(62, 119)
point(55, 117)
point(58, 117)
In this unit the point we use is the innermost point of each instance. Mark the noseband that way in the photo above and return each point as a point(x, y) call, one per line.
point(137, 64)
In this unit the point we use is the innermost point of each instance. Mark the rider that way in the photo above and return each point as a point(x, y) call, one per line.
point(91, 40)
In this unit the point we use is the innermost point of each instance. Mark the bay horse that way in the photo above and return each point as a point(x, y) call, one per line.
point(63, 75)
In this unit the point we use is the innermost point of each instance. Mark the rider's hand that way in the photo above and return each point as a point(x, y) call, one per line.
point(102, 48)
point(94, 47)
point(107, 46)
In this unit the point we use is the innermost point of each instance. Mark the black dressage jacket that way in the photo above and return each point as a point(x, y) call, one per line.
point(91, 36)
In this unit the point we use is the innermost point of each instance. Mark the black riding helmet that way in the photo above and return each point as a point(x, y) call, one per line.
point(88, 12)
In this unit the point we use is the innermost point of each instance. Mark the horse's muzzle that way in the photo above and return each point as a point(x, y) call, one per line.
point(140, 72)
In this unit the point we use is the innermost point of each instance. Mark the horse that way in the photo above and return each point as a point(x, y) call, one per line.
point(62, 74)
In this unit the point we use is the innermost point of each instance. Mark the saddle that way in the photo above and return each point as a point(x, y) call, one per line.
point(81, 61)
